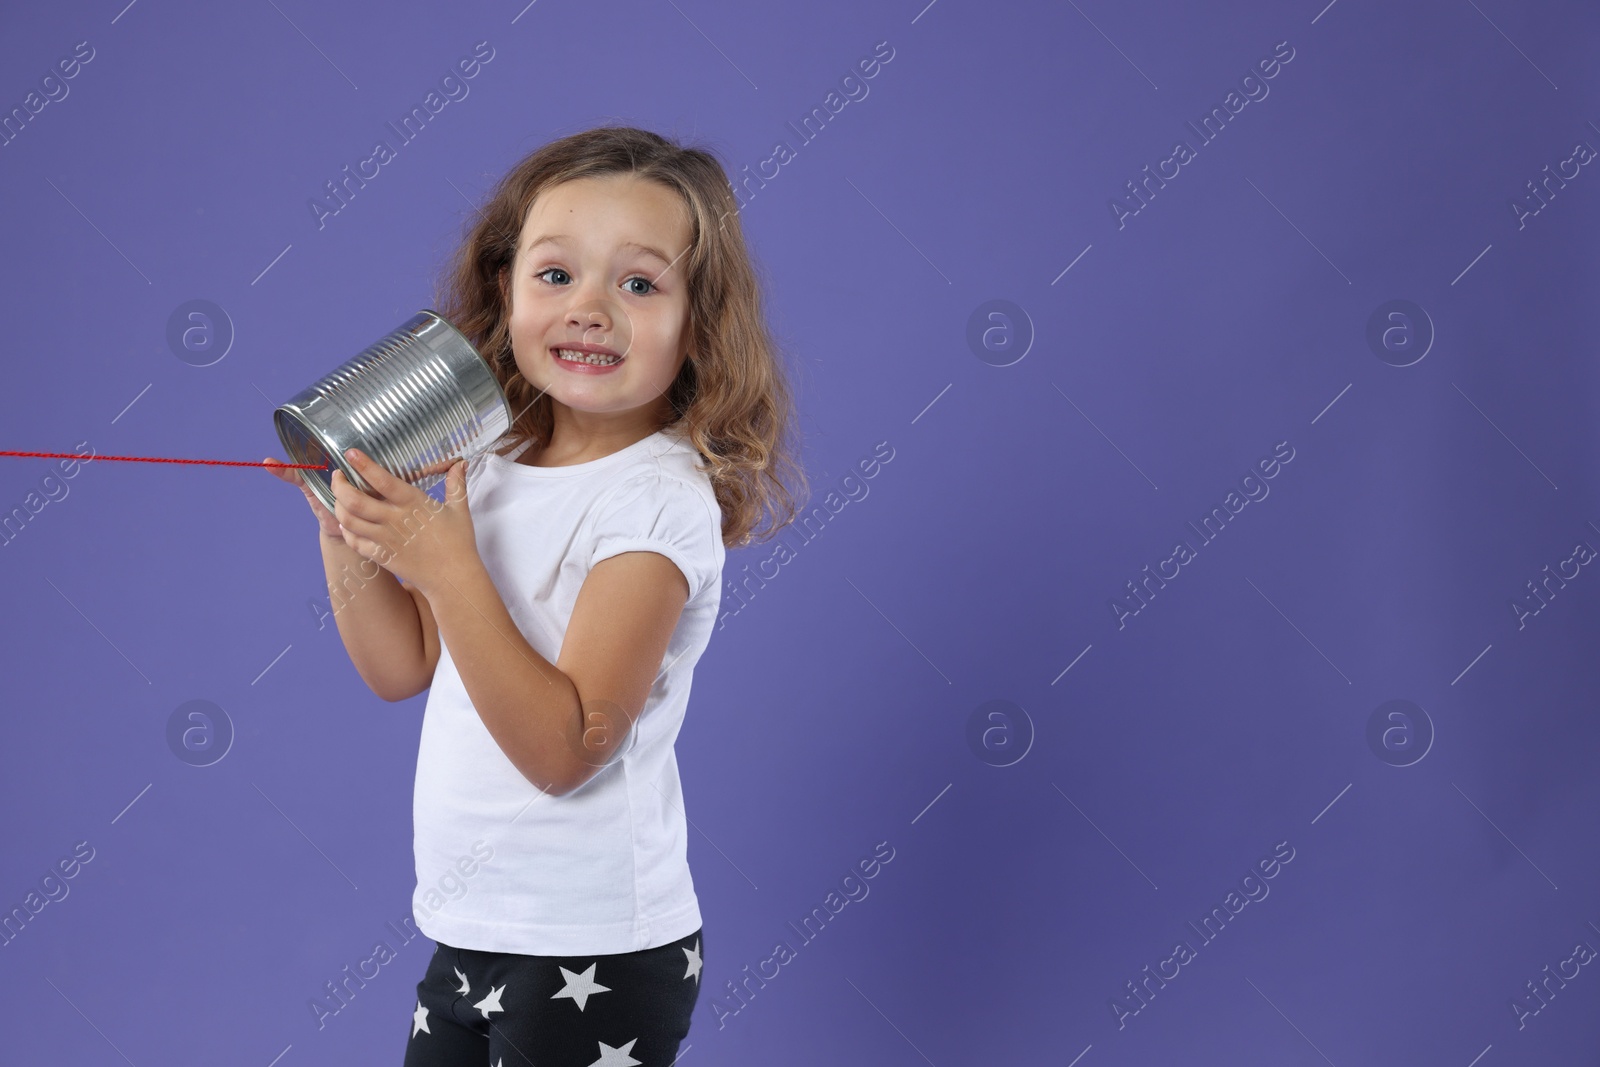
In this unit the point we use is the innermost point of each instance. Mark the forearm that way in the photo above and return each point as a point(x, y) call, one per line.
point(529, 706)
point(377, 621)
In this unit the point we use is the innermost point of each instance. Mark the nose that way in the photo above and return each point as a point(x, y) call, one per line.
point(595, 316)
point(590, 306)
point(588, 314)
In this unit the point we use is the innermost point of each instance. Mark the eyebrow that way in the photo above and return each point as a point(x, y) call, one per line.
point(561, 238)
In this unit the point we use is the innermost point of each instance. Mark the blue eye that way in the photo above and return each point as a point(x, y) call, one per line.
point(635, 278)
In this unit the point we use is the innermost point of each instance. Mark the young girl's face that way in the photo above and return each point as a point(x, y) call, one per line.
point(601, 261)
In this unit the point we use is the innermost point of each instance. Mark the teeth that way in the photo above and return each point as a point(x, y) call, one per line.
point(587, 357)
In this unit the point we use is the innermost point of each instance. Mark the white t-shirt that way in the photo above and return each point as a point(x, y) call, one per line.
point(502, 866)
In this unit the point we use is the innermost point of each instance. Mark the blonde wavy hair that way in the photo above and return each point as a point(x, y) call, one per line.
point(731, 396)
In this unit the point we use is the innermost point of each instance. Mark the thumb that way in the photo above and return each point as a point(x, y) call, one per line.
point(456, 480)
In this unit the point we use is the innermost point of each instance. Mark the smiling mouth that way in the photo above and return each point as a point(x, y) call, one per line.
point(593, 359)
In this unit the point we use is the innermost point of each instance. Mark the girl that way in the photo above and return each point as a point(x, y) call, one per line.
point(556, 602)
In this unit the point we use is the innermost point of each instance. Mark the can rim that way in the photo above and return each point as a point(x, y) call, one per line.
point(290, 413)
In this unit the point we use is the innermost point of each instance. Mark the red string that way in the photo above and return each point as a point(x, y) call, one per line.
point(154, 459)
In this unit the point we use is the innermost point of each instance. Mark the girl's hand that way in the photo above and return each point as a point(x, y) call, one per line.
point(404, 530)
point(325, 518)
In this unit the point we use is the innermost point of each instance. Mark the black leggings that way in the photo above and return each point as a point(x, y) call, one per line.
point(508, 1010)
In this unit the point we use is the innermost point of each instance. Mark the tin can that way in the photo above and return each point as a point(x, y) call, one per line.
point(419, 396)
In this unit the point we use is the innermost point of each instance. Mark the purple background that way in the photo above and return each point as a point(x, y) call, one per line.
point(833, 711)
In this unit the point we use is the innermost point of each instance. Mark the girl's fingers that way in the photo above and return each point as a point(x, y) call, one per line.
point(379, 477)
point(356, 503)
point(384, 482)
point(356, 523)
point(374, 472)
point(341, 488)
point(324, 517)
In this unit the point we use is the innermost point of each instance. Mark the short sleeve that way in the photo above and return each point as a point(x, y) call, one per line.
point(659, 513)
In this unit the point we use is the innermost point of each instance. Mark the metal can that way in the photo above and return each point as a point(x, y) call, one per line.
point(420, 395)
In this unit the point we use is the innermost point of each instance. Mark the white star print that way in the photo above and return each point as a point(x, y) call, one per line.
point(491, 1002)
point(419, 1020)
point(580, 986)
point(465, 989)
point(615, 1057)
point(694, 961)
